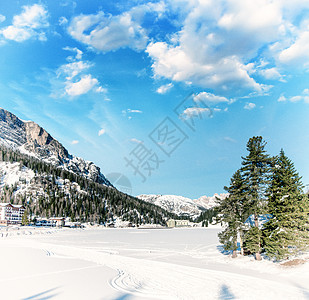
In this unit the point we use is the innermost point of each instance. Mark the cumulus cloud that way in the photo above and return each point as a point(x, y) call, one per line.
point(249, 106)
point(164, 88)
point(83, 86)
point(209, 98)
point(76, 77)
point(192, 112)
point(177, 64)
point(105, 32)
point(28, 24)
point(78, 52)
point(73, 69)
point(2, 18)
point(101, 131)
point(219, 43)
point(298, 52)
point(272, 74)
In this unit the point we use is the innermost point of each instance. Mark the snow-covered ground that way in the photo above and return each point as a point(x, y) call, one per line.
point(184, 263)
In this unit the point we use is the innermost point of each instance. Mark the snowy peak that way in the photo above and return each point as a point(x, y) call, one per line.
point(207, 202)
point(30, 138)
point(183, 206)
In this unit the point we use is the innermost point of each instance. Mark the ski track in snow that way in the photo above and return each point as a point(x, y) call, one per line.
point(150, 278)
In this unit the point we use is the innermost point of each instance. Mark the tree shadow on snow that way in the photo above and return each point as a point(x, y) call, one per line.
point(225, 293)
point(43, 295)
point(123, 297)
point(222, 251)
point(303, 290)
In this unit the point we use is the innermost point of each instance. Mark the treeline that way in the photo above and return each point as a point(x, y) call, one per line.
point(207, 217)
point(266, 188)
point(56, 192)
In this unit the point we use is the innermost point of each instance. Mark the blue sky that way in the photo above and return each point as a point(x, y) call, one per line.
point(166, 93)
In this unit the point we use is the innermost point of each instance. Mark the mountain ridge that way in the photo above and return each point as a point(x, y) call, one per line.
point(183, 206)
point(30, 138)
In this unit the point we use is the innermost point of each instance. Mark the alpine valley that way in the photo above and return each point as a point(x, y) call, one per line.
point(38, 172)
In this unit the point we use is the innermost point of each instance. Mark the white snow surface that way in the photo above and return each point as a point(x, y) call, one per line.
point(11, 173)
point(182, 205)
point(133, 264)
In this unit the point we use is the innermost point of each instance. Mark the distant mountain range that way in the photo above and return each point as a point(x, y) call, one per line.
point(183, 206)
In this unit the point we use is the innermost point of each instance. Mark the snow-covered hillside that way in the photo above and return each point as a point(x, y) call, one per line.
point(207, 202)
point(31, 139)
point(183, 206)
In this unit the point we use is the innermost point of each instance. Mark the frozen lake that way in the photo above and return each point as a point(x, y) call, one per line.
point(132, 264)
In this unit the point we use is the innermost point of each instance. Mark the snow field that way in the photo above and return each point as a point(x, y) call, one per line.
point(155, 264)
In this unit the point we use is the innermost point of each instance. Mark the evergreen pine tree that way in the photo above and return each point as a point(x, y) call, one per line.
point(25, 218)
point(255, 169)
point(287, 232)
point(232, 211)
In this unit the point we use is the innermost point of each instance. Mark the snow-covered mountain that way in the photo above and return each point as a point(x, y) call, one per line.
point(183, 206)
point(29, 138)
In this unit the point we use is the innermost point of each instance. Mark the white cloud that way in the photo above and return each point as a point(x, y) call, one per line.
point(306, 92)
point(28, 24)
point(249, 106)
point(101, 131)
point(192, 112)
point(2, 18)
point(76, 82)
point(83, 86)
point(101, 89)
point(164, 88)
point(78, 52)
point(304, 96)
point(177, 64)
point(282, 98)
point(298, 52)
point(73, 69)
point(105, 32)
point(272, 74)
point(133, 111)
point(128, 112)
point(209, 98)
point(136, 141)
point(74, 142)
point(219, 44)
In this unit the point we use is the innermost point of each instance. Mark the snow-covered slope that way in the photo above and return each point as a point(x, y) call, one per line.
point(207, 202)
point(29, 138)
point(176, 204)
point(183, 206)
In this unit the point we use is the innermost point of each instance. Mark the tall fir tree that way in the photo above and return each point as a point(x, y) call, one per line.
point(256, 171)
point(232, 211)
point(287, 232)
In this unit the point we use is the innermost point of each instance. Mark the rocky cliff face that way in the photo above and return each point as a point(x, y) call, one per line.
point(28, 137)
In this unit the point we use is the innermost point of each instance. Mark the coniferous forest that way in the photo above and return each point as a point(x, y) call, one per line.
point(266, 211)
point(54, 191)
